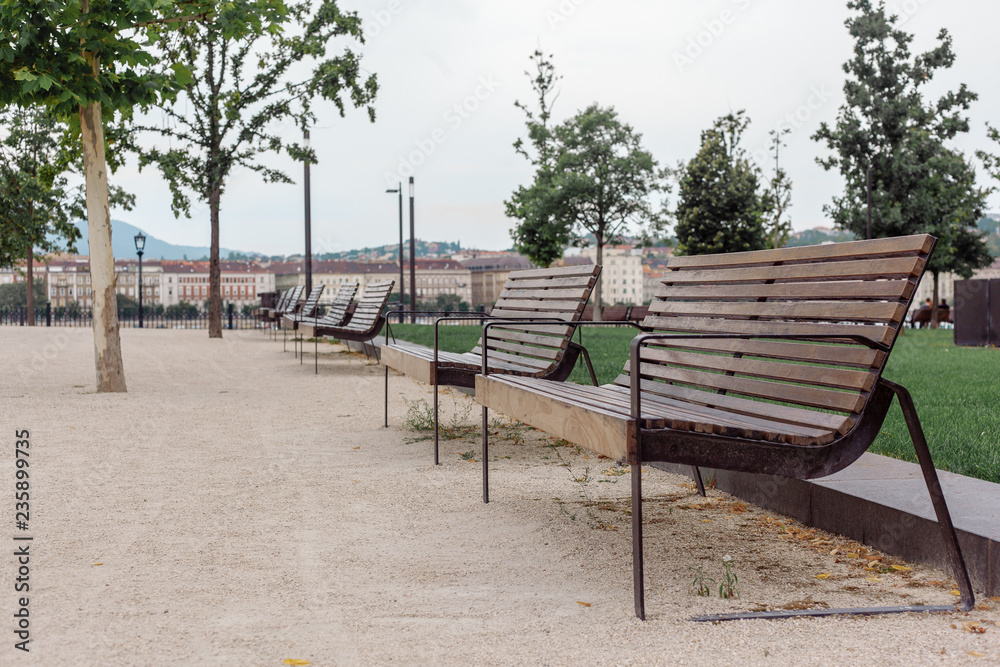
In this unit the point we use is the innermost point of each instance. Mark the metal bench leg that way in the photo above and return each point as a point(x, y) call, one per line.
point(486, 456)
point(436, 462)
point(316, 356)
point(696, 471)
point(386, 424)
point(638, 584)
point(959, 570)
point(590, 366)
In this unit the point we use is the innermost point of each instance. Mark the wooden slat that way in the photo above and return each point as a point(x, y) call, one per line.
point(580, 281)
point(519, 360)
point(534, 339)
point(816, 397)
point(505, 313)
point(745, 406)
point(841, 355)
point(849, 270)
point(558, 272)
point(877, 311)
point(541, 352)
point(545, 294)
point(876, 333)
point(920, 243)
point(841, 289)
point(539, 305)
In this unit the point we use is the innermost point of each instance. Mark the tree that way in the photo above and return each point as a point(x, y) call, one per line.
point(919, 184)
point(83, 61)
point(602, 179)
point(720, 205)
point(15, 295)
point(778, 197)
point(35, 202)
point(538, 235)
point(242, 87)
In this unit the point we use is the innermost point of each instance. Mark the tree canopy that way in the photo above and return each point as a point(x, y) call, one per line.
point(721, 207)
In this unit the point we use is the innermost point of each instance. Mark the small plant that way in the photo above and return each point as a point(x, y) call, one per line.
point(419, 416)
point(728, 588)
point(701, 584)
point(468, 456)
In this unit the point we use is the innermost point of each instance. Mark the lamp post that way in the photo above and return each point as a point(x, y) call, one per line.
point(402, 295)
point(309, 273)
point(140, 245)
point(413, 262)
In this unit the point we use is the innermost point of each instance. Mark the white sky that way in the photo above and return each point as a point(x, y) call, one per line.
point(775, 58)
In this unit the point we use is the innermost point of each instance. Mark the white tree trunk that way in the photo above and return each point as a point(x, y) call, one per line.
point(107, 344)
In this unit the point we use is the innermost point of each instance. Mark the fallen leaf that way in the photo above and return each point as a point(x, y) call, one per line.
point(358, 447)
point(293, 661)
point(871, 564)
point(902, 568)
point(851, 555)
point(974, 628)
point(977, 654)
point(874, 579)
point(96, 564)
point(956, 593)
point(835, 552)
point(825, 575)
point(706, 521)
point(995, 598)
point(583, 604)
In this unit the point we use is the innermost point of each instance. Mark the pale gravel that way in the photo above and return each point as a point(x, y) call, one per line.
point(245, 511)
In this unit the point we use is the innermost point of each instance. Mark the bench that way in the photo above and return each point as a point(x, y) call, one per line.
point(762, 362)
point(336, 314)
point(558, 294)
point(366, 322)
point(291, 320)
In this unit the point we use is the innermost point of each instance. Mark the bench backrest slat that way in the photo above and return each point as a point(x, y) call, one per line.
point(561, 294)
point(861, 288)
point(293, 299)
point(312, 302)
point(370, 305)
point(279, 306)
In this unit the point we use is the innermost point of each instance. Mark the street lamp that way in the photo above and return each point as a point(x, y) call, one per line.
point(413, 262)
point(140, 245)
point(309, 273)
point(402, 295)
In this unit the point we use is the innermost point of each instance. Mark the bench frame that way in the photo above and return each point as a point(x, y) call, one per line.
point(803, 462)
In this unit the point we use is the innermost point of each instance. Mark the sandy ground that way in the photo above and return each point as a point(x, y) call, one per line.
point(236, 509)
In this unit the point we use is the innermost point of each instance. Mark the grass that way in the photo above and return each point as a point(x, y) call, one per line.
point(956, 390)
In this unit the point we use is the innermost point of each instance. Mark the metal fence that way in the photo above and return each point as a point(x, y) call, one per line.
point(47, 316)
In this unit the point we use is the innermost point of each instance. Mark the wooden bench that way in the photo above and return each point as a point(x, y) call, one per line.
point(290, 320)
point(558, 294)
point(336, 314)
point(366, 322)
point(763, 362)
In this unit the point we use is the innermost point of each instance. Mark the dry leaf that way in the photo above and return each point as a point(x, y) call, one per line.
point(871, 564)
point(956, 593)
point(583, 604)
point(293, 661)
point(974, 628)
point(902, 568)
point(825, 575)
point(873, 578)
point(835, 552)
point(358, 447)
point(706, 521)
point(96, 564)
point(995, 598)
point(977, 654)
point(851, 555)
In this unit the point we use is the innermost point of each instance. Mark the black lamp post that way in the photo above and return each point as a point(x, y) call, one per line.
point(413, 262)
point(402, 294)
point(309, 271)
point(140, 245)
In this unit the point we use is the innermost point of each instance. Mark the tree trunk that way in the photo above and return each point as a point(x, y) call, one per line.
point(107, 344)
point(214, 272)
point(29, 293)
point(934, 304)
point(600, 283)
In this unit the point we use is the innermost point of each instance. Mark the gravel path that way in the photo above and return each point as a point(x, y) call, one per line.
point(235, 509)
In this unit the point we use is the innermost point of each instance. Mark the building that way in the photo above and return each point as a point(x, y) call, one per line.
point(487, 274)
point(242, 282)
point(440, 276)
point(622, 276)
point(333, 273)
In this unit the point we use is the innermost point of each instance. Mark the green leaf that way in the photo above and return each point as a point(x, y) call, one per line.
point(181, 74)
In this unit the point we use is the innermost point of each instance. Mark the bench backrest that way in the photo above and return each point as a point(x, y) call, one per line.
point(560, 293)
point(279, 306)
point(293, 300)
point(337, 312)
point(312, 302)
point(860, 288)
point(370, 305)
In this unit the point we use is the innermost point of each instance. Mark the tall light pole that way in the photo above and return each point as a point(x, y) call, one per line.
point(402, 295)
point(140, 246)
point(413, 262)
point(309, 272)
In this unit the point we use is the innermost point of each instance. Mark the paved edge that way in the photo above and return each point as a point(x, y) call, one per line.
point(883, 503)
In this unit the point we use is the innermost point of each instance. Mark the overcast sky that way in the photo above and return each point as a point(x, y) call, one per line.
point(450, 70)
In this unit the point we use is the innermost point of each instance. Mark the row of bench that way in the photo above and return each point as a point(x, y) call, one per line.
point(763, 362)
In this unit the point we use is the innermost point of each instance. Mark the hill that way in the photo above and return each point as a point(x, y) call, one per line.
point(123, 244)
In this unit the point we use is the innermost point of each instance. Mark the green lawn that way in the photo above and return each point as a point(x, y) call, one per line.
point(956, 390)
